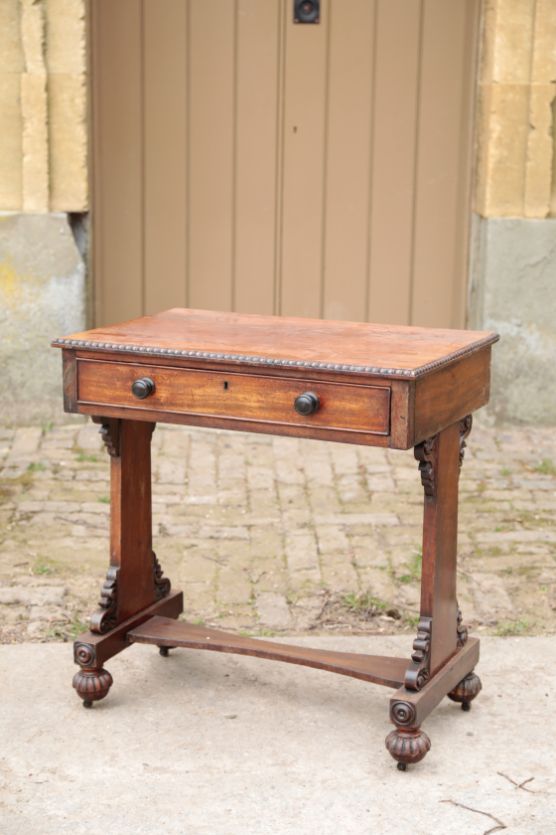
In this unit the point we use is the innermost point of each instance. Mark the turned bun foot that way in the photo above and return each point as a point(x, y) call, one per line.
point(466, 690)
point(407, 746)
point(92, 685)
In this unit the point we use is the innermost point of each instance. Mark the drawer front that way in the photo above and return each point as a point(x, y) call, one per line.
point(248, 397)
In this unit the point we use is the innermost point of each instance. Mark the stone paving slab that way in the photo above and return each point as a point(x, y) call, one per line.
point(269, 535)
point(202, 743)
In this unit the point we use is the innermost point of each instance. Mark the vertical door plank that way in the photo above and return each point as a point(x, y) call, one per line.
point(211, 153)
point(165, 154)
point(255, 162)
point(350, 71)
point(466, 163)
point(440, 134)
point(303, 155)
point(393, 160)
point(117, 160)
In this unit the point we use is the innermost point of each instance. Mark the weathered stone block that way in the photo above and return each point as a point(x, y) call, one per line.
point(43, 152)
point(68, 142)
point(35, 143)
point(65, 28)
point(508, 29)
point(515, 125)
point(502, 137)
point(514, 293)
point(540, 150)
point(11, 144)
point(32, 35)
point(10, 40)
point(42, 295)
point(544, 56)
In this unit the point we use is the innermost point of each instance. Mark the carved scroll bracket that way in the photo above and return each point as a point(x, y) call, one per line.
point(418, 672)
point(464, 430)
point(105, 618)
point(110, 434)
point(162, 584)
point(461, 630)
point(425, 454)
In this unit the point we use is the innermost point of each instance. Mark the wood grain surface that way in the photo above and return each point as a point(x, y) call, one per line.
point(236, 396)
point(393, 351)
point(163, 631)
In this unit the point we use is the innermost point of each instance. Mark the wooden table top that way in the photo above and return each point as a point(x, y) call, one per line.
point(351, 347)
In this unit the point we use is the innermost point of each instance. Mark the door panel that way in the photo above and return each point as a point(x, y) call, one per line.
point(258, 51)
point(394, 153)
point(116, 58)
point(244, 162)
point(351, 67)
point(165, 144)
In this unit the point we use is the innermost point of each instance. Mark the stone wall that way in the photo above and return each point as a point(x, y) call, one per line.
point(513, 263)
point(43, 152)
point(43, 195)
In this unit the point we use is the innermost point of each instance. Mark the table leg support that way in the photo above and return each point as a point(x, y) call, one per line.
point(441, 635)
point(409, 708)
point(135, 580)
point(91, 650)
point(91, 682)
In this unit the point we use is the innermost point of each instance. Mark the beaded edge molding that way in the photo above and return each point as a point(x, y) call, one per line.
point(119, 348)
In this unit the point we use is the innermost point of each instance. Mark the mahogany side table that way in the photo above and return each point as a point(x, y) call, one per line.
point(379, 385)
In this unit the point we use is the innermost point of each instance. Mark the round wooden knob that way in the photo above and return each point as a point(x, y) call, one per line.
point(143, 387)
point(306, 403)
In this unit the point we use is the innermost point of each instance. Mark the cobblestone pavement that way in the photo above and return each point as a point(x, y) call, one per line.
point(270, 535)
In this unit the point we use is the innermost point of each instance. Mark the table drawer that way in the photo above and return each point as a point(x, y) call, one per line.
point(248, 397)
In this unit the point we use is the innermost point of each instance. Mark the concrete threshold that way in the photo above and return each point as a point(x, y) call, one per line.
point(213, 744)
